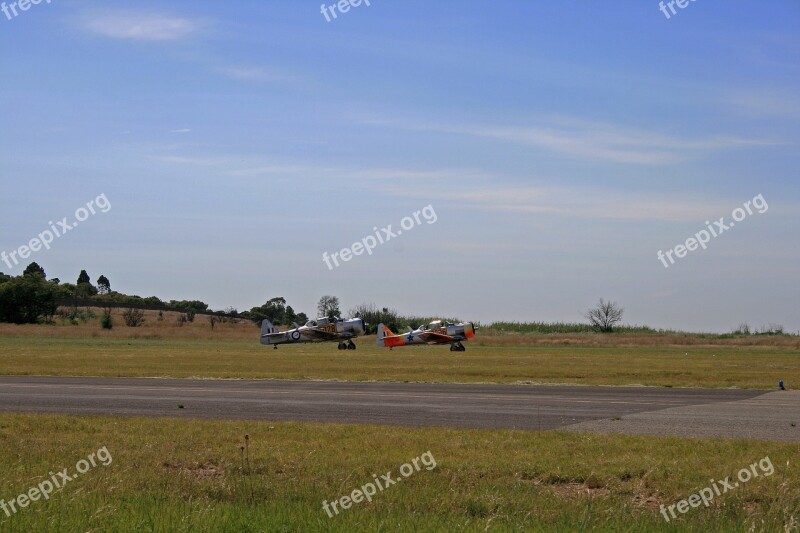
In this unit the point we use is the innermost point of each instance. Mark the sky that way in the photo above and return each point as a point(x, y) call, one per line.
point(555, 147)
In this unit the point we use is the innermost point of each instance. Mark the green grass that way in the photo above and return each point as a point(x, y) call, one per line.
point(486, 360)
point(189, 475)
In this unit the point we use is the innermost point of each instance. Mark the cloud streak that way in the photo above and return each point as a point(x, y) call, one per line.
point(136, 26)
point(592, 141)
point(244, 73)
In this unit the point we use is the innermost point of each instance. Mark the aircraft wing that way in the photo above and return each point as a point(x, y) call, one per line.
point(326, 335)
point(429, 336)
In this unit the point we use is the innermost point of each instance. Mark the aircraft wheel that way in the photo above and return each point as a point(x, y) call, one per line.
point(351, 346)
point(452, 348)
point(341, 346)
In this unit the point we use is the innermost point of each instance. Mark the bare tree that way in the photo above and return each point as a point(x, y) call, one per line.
point(605, 315)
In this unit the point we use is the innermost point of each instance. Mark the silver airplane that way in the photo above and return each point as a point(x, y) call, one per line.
point(319, 330)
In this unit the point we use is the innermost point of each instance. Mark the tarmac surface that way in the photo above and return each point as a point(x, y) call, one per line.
point(726, 413)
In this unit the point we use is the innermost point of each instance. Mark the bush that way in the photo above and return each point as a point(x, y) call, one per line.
point(133, 317)
point(107, 322)
point(27, 299)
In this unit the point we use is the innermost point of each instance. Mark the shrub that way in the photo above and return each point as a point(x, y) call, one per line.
point(133, 317)
point(107, 322)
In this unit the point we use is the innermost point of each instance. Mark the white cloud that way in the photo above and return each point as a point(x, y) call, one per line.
point(767, 102)
point(182, 130)
point(141, 26)
point(485, 191)
point(581, 139)
point(573, 202)
point(254, 73)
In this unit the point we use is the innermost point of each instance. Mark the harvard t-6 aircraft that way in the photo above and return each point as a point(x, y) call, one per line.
point(437, 332)
point(319, 330)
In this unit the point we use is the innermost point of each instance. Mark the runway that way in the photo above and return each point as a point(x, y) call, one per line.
point(660, 411)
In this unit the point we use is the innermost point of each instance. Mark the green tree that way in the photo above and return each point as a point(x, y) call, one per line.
point(328, 306)
point(27, 299)
point(83, 277)
point(289, 316)
point(185, 305)
point(34, 269)
point(373, 316)
point(273, 310)
point(103, 285)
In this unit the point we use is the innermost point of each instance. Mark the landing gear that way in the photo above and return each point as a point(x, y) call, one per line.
point(349, 345)
point(342, 346)
point(457, 347)
point(275, 346)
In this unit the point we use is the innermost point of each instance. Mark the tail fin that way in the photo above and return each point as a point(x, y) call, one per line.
point(266, 329)
point(383, 331)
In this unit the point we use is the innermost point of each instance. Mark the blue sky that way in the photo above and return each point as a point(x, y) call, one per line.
point(561, 144)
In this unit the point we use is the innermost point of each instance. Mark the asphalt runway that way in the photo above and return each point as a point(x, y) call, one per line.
point(730, 413)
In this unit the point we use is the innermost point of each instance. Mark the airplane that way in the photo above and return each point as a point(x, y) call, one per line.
point(437, 332)
point(319, 330)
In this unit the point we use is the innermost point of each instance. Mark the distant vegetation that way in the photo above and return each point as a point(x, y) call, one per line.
point(544, 328)
point(373, 315)
point(31, 298)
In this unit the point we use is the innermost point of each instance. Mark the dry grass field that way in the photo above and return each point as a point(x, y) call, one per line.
point(192, 475)
point(166, 349)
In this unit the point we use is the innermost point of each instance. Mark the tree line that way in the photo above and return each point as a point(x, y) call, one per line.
point(32, 298)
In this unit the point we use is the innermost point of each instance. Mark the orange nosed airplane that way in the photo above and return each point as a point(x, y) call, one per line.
point(436, 332)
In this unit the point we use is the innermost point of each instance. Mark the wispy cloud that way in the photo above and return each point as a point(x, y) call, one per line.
point(573, 202)
point(140, 26)
point(767, 102)
point(580, 139)
point(181, 130)
point(481, 190)
point(245, 73)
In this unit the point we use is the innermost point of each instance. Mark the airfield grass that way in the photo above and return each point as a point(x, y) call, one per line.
point(190, 475)
point(236, 353)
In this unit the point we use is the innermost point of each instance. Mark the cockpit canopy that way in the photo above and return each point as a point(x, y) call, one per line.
point(324, 321)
